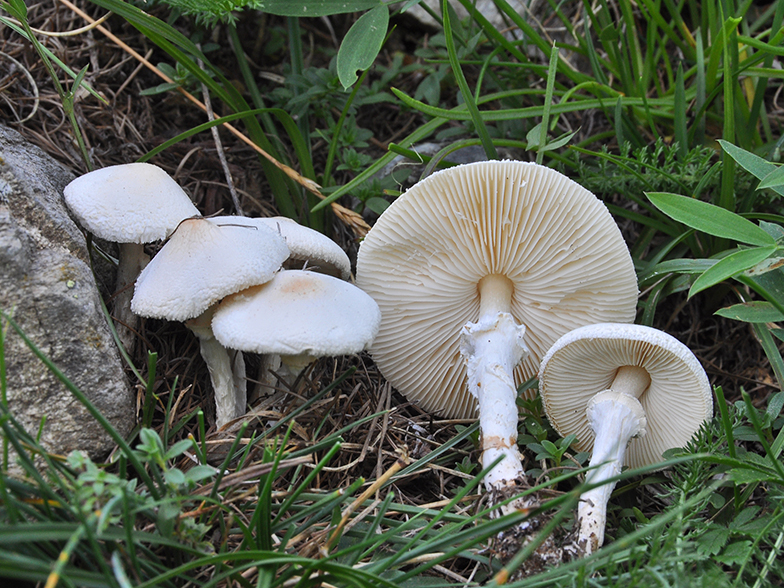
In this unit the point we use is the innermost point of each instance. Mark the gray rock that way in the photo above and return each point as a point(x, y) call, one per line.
point(47, 286)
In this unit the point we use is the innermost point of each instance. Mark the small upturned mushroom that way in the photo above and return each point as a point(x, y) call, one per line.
point(629, 391)
point(129, 204)
point(199, 265)
point(477, 270)
point(299, 315)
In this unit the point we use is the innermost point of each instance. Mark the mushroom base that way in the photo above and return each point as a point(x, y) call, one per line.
point(492, 347)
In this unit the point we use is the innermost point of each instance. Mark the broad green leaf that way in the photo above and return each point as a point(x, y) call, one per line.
point(774, 179)
point(766, 265)
point(313, 7)
point(752, 312)
point(377, 204)
point(534, 136)
point(710, 219)
point(772, 229)
point(730, 266)
point(361, 44)
point(711, 542)
point(754, 164)
point(735, 553)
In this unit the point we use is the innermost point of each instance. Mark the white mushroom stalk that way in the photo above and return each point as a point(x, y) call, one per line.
point(492, 348)
point(630, 391)
point(226, 368)
point(616, 417)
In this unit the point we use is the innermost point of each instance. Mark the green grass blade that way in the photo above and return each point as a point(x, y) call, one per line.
point(94, 412)
point(465, 91)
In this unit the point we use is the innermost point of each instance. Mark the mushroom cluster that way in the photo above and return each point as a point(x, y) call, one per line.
point(224, 276)
point(478, 269)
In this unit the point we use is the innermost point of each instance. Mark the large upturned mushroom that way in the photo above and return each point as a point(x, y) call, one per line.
point(477, 270)
point(617, 386)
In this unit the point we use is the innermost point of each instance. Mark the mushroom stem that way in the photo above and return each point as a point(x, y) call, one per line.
point(132, 260)
point(616, 417)
point(227, 370)
point(492, 347)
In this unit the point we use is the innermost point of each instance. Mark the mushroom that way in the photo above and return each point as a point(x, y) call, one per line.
point(129, 204)
point(307, 246)
point(491, 261)
point(299, 315)
point(617, 386)
point(200, 264)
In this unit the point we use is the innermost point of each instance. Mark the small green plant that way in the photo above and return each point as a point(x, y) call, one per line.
point(552, 451)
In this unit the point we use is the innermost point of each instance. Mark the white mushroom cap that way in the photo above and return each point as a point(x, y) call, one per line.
point(131, 203)
point(203, 262)
point(305, 244)
point(298, 313)
point(424, 258)
point(584, 362)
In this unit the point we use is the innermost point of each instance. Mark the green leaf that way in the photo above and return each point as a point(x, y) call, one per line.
point(361, 44)
point(730, 266)
point(377, 204)
point(773, 180)
point(735, 553)
point(749, 476)
point(755, 165)
point(559, 142)
point(710, 219)
point(313, 7)
point(713, 540)
point(752, 312)
point(534, 136)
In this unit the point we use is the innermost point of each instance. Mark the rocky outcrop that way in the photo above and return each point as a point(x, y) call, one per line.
point(47, 286)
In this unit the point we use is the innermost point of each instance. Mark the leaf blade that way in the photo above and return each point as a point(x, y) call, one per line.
point(710, 219)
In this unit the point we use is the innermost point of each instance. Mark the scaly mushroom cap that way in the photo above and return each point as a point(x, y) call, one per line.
point(202, 263)
point(298, 313)
point(131, 203)
point(426, 254)
point(306, 245)
point(584, 362)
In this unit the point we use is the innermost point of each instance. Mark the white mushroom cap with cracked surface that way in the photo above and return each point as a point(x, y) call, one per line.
point(305, 244)
point(201, 263)
point(584, 362)
point(519, 224)
point(130, 203)
point(298, 313)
